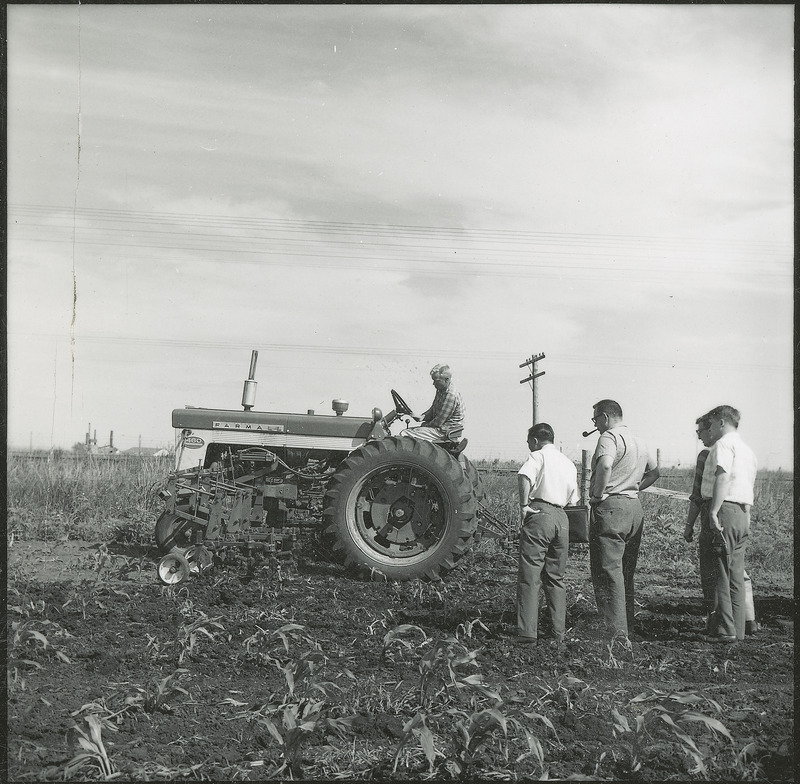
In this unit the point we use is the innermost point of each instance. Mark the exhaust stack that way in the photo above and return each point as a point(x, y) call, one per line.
point(249, 391)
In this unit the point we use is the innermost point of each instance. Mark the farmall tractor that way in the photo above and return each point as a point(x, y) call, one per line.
point(260, 482)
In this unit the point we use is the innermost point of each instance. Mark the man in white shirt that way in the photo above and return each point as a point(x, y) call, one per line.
point(548, 482)
point(728, 484)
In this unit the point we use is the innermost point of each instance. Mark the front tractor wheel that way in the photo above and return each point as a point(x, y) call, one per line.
point(402, 506)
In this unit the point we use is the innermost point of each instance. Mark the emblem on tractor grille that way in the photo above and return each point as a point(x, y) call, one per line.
point(193, 442)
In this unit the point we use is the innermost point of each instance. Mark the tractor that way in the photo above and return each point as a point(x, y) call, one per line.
point(261, 482)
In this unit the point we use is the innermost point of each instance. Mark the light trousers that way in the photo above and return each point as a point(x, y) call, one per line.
point(543, 549)
point(730, 596)
point(615, 535)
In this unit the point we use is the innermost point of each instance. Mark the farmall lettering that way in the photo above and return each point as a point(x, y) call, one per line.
point(255, 427)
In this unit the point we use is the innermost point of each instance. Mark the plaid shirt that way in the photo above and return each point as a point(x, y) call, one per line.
point(446, 411)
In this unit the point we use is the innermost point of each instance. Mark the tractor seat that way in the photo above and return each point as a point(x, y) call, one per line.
point(455, 448)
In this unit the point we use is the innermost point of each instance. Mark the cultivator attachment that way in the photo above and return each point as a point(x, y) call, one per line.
point(491, 527)
point(208, 511)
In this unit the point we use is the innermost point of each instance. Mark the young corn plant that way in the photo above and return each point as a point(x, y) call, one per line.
point(417, 728)
point(301, 669)
point(291, 720)
point(188, 634)
point(22, 636)
point(158, 694)
point(107, 717)
point(466, 627)
point(667, 718)
point(485, 727)
point(88, 735)
point(440, 676)
point(398, 637)
point(474, 733)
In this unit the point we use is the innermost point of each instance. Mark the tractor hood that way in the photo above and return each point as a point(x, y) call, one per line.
point(265, 422)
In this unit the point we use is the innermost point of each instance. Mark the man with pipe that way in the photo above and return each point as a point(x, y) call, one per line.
point(622, 465)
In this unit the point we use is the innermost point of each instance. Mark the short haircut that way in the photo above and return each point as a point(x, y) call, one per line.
point(610, 407)
point(703, 422)
point(542, 432)
point(441, 371)
point(728, 413)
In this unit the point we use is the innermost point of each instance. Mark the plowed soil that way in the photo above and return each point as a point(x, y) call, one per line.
point(109, 634)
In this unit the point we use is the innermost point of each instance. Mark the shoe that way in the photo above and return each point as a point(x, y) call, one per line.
point(750, 627)
point(724, 639)
point(525, 640)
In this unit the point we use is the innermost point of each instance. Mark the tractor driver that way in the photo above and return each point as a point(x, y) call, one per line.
point(444, 420)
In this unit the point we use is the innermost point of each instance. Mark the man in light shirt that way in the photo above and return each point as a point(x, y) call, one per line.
point(698, 507)
point(622, 465)
point(548, 482)
point(728, 484)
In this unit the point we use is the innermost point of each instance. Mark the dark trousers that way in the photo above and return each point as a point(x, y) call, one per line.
point(543, 548)
point(708, 567)
point(615, 534)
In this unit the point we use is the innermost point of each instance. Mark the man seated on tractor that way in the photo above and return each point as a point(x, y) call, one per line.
point(444, 420)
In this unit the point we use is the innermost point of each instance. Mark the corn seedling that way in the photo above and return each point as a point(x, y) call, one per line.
point(301, 670)
point(619, 648)
point(466, 627)
point(188, 634)
point(397, 636)
point(416, 727)
point(88, 735)
point(667, 718)
point(156, 696)
point(475, 732)
point(439, 669)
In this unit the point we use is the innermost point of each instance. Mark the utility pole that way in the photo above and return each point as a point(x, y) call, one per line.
point(532, 378)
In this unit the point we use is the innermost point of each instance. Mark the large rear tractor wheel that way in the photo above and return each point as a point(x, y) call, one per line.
point(403, 507)
point(478, 488)
point(474, 477)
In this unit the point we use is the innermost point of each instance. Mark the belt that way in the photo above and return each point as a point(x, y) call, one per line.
point(740, 504)
point(542, 501)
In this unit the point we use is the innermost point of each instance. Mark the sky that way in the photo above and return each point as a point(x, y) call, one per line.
point(359, 192)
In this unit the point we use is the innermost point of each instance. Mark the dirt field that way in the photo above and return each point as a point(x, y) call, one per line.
point(252, 671)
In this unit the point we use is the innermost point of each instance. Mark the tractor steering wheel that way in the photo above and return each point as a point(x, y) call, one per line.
point(400, 405)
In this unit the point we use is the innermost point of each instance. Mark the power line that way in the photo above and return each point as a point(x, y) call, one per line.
point(493, 355)
point(540, 252)
point(399, 229)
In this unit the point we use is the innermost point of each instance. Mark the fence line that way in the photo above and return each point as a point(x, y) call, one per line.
point(683, 478)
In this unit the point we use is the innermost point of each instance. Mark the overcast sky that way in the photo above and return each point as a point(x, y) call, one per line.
point(359, 192)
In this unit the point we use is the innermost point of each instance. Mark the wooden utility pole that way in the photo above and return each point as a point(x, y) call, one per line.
point(532, 378)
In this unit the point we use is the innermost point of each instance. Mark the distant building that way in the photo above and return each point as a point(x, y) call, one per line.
point(147, 451)
point(105, 450)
